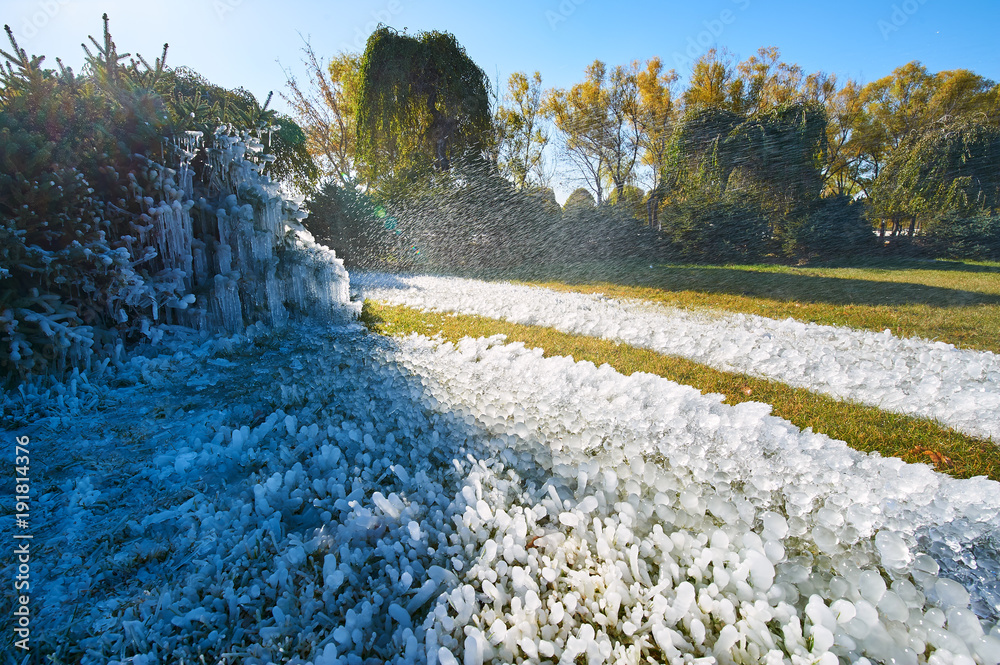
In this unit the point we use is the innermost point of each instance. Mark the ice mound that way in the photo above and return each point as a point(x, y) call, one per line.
point(659, 522)
point(327, 496)
point(220, 257)
point(960, 388)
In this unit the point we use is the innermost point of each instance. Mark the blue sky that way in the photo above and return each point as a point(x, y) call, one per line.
point(241, 42)
point(238, 42)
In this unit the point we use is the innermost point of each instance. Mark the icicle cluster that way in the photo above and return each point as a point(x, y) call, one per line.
point(233, 257)
point(253, 252)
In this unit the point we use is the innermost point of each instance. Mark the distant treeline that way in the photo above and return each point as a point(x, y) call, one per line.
point(411, 158)
point(750, 159)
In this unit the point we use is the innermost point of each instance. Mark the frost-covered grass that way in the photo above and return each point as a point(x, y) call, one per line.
point(864, 428)
point(951, 301)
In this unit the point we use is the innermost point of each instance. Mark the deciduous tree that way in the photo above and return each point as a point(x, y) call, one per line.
point(657, 118)
point(522, 135)
point(325, 110)
point(600, 121)
point(422, 102)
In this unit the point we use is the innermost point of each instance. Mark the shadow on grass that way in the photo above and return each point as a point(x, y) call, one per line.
point(909, 264)
point(739, 281)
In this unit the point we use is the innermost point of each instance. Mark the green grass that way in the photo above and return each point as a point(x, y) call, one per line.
point(949, 301)
point(864, 428)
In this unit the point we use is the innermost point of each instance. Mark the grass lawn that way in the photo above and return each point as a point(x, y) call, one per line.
point(864, 428)
point(950, 301)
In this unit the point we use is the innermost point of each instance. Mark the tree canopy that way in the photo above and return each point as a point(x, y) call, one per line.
point(421, 102)
point(521, 134)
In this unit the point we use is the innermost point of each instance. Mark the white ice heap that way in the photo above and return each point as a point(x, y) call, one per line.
point(411, 501)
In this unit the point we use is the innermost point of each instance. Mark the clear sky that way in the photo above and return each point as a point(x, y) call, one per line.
point(241, 42)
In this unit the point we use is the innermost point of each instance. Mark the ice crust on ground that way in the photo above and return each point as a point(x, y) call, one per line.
point(959, 388)
point(328, 496)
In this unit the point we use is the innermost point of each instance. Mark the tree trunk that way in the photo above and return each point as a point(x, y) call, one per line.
point(619, 187)
point(439, 131)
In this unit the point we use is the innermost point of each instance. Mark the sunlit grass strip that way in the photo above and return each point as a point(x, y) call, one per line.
point(864, 428)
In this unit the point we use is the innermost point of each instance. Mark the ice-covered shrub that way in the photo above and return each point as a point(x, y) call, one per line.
point(103, 241)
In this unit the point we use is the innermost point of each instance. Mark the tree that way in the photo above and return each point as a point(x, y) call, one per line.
point(581, 115)
point(842, 158)
point(713, 83)
point(600, 121)
point(326, 112)
point(700, 159)
point(421, 102)
point(835, 226)
point(894, 106)
point(952, 165)
point(580, 198)
point(779, 151)
point(624, 129)
point(89, 254)
point(657, 118)
point(64, 140)
point(545, 198)
point(521, 135)
point(768, 161)
point(898, 110)
point(767, 82)
point(630, 201)
point(964, 236)
point(726, 228)
point(357, 228)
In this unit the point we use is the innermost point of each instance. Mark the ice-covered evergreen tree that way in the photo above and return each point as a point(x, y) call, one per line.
point(125, 206)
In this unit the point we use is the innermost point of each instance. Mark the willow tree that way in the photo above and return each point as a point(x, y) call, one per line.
point(421, 102)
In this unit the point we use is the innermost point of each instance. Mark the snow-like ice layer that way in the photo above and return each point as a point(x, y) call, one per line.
point(957, 387)
point(326, 496)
